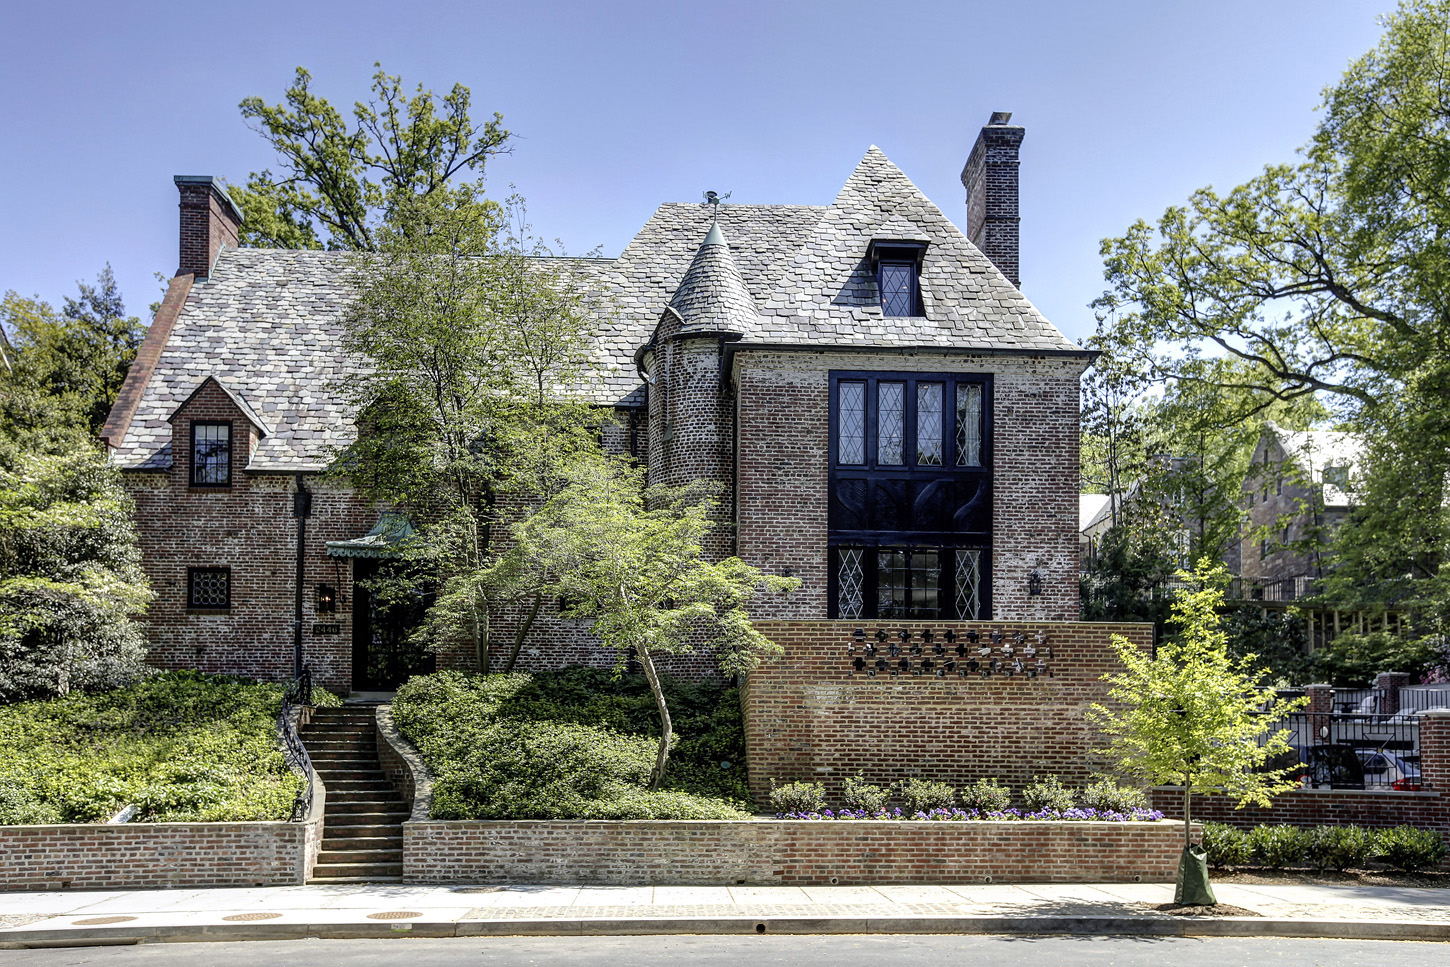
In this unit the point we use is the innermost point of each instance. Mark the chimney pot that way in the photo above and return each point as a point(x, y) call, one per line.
point(990, 177)
point(209, 220)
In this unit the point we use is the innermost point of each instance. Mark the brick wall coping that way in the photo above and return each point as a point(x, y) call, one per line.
point(843, 824)
point(414, 777)
point(1310, 791)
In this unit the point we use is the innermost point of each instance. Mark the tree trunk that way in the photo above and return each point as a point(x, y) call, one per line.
point(523, 632)
point(1187, 813)
point(662, 756)
point(480, 637)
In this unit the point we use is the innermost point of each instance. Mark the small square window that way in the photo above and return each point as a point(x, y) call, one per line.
point(209, 588)
point(211, 454)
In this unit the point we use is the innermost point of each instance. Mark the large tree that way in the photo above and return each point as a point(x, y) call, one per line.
point(1326, 277)
point(64, 369)
point(338, 183)
point(469, 340)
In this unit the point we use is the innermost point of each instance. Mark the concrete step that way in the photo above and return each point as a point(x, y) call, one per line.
point(371, 857)
point(356, 879)
point(340, 820)
point(363, 829)
point(329, 871)
point(351, 787)
point(332, 843)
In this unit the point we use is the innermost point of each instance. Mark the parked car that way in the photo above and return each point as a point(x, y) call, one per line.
point(1383, 768)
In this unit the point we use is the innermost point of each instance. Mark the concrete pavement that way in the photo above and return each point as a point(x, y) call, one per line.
point(380, 910)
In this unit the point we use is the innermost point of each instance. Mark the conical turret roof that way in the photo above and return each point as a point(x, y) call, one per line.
point(712, 296)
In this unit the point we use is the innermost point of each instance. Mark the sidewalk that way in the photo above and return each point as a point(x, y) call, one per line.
point(363, 910)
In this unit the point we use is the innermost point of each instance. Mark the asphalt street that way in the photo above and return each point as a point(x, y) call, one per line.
point(864, 951)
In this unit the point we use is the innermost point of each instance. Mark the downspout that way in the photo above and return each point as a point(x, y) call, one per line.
point(301, 509)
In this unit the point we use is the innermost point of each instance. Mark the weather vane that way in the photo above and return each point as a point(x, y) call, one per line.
point(715, 200)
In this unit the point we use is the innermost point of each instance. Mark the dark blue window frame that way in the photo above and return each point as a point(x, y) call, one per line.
point(911, 506)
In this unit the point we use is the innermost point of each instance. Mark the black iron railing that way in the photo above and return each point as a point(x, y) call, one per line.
point(1354, 751)
point(297, 695)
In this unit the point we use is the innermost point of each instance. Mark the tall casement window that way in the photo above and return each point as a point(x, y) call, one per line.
point(910, 527)
point(211, 453)
point(209, 588)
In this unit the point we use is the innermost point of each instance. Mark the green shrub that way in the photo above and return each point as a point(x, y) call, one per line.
point(860, 794)
point(1278, 846)
point(1409, 849)
point(797, 797)
point(1225, 845)
point(1107, 796)
point(923, 795)
point(1339, 847)
point(181, 746)
point(1047, 792)
point(987, 796)
point(577, 743)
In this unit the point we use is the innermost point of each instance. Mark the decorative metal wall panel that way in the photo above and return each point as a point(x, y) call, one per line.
point(972, 653)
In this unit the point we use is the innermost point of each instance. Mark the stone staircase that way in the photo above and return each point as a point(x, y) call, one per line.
point(362, 839)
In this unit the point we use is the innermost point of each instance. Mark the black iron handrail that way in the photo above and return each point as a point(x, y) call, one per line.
point(297, 695)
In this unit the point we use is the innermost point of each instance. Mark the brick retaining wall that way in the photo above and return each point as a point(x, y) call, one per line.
point(148, 855)
point(725, 852)
point(807, 717)
point(1317, 807)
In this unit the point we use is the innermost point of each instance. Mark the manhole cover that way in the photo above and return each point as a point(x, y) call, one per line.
point(98, 921)
point(240, 917)
point(395, 915)
point(477, 889)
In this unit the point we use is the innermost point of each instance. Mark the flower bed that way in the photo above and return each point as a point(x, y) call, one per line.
point(1007, 815)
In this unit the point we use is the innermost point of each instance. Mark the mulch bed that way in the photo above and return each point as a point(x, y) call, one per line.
point(1425, 878)
point(1202, 910)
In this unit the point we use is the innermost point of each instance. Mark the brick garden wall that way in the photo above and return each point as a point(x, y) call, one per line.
point(782, 852)
point(783, 402)
point(808, 717)
point(151, 855)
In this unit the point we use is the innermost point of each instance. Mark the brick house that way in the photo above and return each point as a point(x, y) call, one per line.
point(891, 420)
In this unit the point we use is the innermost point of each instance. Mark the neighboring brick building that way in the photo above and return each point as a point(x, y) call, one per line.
point(890, 419)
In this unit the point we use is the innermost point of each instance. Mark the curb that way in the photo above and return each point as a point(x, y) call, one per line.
point(642, 926)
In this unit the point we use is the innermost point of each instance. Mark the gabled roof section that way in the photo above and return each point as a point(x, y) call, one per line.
point(712, 297)
point(237, 399)
point(828, 293)
point(1314, 450)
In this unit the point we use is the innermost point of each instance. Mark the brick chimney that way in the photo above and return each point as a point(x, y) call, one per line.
point(990, 178)
point(209, 220)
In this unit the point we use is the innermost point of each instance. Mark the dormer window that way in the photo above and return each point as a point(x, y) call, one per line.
point(1337, 477)
point(898, 275)
point(211, 453)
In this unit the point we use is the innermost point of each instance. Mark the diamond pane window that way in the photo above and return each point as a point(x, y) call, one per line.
point(211, 454)
point(928, 424)
point(850, 584)
point(969, 425)
point(851, 431)
point(969, 585)
point(890, 423)
point(209, 587)
point(898, 288)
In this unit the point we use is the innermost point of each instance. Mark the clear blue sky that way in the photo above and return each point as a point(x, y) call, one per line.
point(1128, 107)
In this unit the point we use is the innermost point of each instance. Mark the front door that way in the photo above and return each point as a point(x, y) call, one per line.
point(385, 611)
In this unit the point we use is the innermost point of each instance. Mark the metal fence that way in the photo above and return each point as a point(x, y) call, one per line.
point(298, 693)
point(1272, 589)
point(1354, 751)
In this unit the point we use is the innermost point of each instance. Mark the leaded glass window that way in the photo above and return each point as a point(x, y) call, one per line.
point(211, 454)
point(969, 584)
point(850, 584)
point(907, 583)
point(898, 288)
point(209, 587)
point(928, 424)
point(890, 423)
point(969, 425)
point(851, 428)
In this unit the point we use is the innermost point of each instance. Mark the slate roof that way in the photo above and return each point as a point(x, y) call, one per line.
point(268, 322)
point(1314, 450)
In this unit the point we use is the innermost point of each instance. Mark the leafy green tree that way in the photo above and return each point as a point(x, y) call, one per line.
point(70, 572)
point(1191, 715)
point(338, 183)
point(467, 338)
point(64, 369)
point(629, 558)
point(1328, 277)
